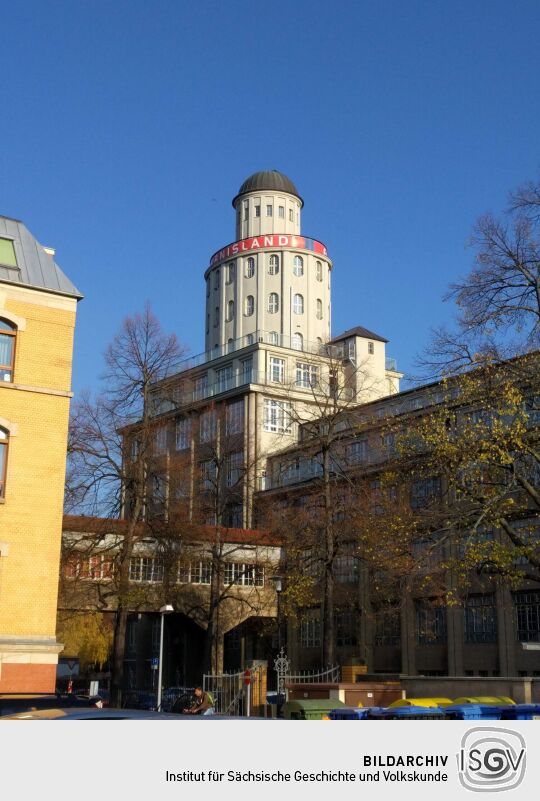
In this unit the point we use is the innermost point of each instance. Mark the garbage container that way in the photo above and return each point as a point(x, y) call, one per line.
point(420, 702)
point(473, 712)
point(520, 712)
point(311, 708)
point(484, 699)
point(350, 713)
point(408, 713)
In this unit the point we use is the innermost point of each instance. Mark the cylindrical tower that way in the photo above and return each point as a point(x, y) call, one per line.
point(272, 283)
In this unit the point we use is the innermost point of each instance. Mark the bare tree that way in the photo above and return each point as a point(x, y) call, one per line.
point(112, 461)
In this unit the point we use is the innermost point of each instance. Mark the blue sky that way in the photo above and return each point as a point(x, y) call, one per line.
point(127, 128)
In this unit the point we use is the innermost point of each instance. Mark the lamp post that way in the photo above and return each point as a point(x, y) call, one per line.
point(278, 586)
point(165, 610)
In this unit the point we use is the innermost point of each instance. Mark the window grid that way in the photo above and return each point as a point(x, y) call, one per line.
point(273, 265)
point(244, 574)
point(480, 619)
point(145, 569)
point(298, 304)
point(277, 370)
point(7, 350)
point(273, 303)
point(310, 631)
point(277, 416)
point(307, 375)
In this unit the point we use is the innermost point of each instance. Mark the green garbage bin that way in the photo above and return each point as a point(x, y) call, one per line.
point(311, 708)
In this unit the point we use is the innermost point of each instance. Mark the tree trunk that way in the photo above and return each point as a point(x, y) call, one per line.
point(328, 634)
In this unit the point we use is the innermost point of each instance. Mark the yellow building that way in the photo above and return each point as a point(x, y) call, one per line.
point(37, 320)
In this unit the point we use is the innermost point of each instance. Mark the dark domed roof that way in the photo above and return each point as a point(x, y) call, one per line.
point(270, 180)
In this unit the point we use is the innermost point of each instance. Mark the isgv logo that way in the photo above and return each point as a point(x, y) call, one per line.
point(491, 760)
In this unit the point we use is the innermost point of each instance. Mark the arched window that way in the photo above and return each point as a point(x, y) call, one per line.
point(230, 310)
point(297, 341)
point(273, 302)
point(298, 266)
point(231, 267)
point(319, 309)
point(230, 345)
point(318, 270)
point(273, 264)
point(4, 440)
point(8, 332)
point(298, 304)
point(249, 305)
point(250, 267)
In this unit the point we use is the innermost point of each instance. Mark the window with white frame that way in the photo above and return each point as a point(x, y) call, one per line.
point(319, 309)
point(230, 311)
point(307, 375)
point(201, 386)
point(297, 341)
point(208, 426)
point(277, 416)
point(298, 266)
point(231, 269)
point(269, 210)
point(208, 474)
point(291, 215)
point(356, 451)
point(160, 441)
point(276, 371)
point(250, 267)
point(234, 468)
point(235, 417)
point(145, 569)
point(4, 442)
point(257, 211)
point(224, 378)
point(200, 572)
point(244, 574)
point(249, 305)
point(310, 630)
point(298, 304)
point(318, 270)
point(273, 264)
point(273, 338)
point(246, 210)
point(246, 372)
point(273, 302)
point(281, 212)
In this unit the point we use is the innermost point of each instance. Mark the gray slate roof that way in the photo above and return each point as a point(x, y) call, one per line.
point(270, 180)
point(359, 331)
point(35, 267)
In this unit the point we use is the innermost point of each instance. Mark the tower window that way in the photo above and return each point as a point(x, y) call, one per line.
point(298, 266)
point(216, 279)
point(319, 309)
point(318, 270)
point(8, 334)
point(7, 253)
point(273, 264)
point(298, 304)
point(250, 267)
point(297, 341)
point(273, 302)
point(370, 348)
point(291, 215)
point(269, 210)
point(249, 305)
point(257, 211)
point(230, 272)
point(216, 317)
point(281, 212)
point(246, 210)
point(230, 311)
point(273, 338)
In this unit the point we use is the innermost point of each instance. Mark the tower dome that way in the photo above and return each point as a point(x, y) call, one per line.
point(268, 181)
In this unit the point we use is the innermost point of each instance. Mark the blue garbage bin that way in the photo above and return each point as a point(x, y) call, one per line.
point(473, 712)
point(520, 712)
point(351, 713)
point(408, 713)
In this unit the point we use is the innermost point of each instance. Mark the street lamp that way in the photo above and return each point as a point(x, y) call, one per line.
point(165, 610)
point(278, 586)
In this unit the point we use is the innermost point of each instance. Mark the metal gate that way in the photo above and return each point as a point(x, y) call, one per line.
point(230, 691)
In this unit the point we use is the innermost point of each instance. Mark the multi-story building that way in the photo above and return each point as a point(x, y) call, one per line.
point(491, 624)
point(37, 320)
point(270, 360)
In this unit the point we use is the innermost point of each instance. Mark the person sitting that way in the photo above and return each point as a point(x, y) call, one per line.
point(203, 703)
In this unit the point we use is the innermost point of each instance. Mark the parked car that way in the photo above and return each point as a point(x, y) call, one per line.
point(12, 703)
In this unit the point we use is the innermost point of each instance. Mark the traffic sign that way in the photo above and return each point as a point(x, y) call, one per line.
point(154, 663)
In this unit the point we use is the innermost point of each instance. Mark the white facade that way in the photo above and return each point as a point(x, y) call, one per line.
point(271, 284)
